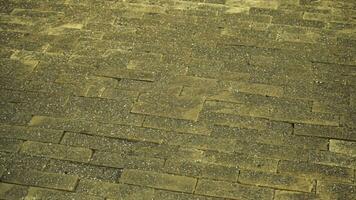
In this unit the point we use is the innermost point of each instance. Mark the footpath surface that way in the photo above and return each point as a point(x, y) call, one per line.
point(178, 100)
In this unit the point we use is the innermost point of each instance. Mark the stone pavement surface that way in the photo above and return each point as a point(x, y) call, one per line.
point(178, 100)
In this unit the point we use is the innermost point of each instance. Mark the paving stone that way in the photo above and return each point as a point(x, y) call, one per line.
point(232, 190)
point(82, 170)
point(14, 68)
point(251, 88)
point(40, 193)
point(270, 137)
point(275, 180)
point(27, 133)
point(56, 151)
point(10, 145)
point(240, 160)
point(344, 147)
point(98, 109)
point(162, 194)
point(318, 171)
point(126, 73)
point(10, 114)
point(41, 179)
point(272, 112)
point(203, 142)
point(22, 161)
point(201, 170)
point(287, 195)
point(96, 142)
point(158, 180)
point(12, 191)
point(117, 94)
point(229, 120)
point(118, 160)
point(331, 158)
point(329, 190)
point(114, 190)
point(169, 106)
point(342, 133)
point(178, 125)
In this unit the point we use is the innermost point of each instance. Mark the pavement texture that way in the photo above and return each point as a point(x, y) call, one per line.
point(178, 100)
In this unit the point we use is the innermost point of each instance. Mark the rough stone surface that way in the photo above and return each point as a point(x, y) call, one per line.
point(178, 99)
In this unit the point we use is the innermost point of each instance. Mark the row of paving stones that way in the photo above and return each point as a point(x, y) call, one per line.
point(181, 176)
point(206, 99)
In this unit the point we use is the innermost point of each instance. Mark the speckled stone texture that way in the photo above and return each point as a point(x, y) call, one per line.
point(178, 100)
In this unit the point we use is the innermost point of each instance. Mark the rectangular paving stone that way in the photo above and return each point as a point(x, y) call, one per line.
point(117, 160)
point(57, 151)
point(278, 136)
point(324, 131)
point(10, 145)
point(229, 120)
point(232, 190)
point(87, 141)
point(158, 180)
point(15, 68)
point(115, 93)
point(169, 195)
point(41, 193)
point(115, 72)
point(241, 161)
point(201, 170)
point(177, 125)
point(273, 111)
point(21, 161)
point(41, 179)
point(250, 88)
point(272, 151)
point(318, 171)
point(28, 133)
point(325, 107)
point(191, 81)
point(288, 195)
point(344, 147)
point(178, 107)
point(83, 170)
point(114, 190)
point(275, 180)
point(12, 191)
point(332, 158)
point(221, 75)
point(202, 142)
point(102, 110)
point(330, 190)
point(11, 114)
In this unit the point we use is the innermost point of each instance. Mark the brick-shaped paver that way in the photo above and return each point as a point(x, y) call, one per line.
point(56, 151)
point(232, 190)
point(178, 107)
point(12, 191)
point(329, 190)
point(306, 169)
point(286, 182)
point(41, 193)
point(344, 147)
point(159, 180)
point(113, 190)
point(41, 179)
